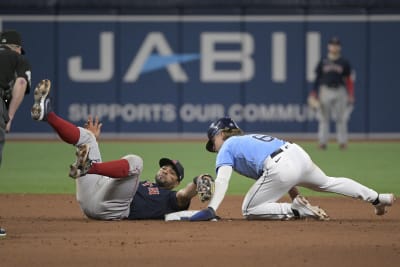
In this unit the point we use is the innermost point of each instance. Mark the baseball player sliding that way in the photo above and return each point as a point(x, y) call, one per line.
point(276, 166)
point(333, 94)
point(113, 190)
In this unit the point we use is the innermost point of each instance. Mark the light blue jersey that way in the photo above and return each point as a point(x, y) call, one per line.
point(247, 153)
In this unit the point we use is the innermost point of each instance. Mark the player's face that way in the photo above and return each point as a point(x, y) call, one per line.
point(334, 48)
point(16, 48)
point(166, 177)
point(218, 141)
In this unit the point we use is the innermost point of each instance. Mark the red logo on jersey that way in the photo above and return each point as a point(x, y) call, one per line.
point(154, 191)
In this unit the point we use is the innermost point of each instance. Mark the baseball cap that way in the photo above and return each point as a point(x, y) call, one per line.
point(334, 40)
point(176, 165)
point(11, 37)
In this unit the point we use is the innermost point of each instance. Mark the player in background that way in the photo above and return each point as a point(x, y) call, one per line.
point(276, 166)
point(334, 90)
point(112, 190)
point(15, 80)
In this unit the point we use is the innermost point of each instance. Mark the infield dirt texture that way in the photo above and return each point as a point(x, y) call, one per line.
point(45, 226)
point(50, 230)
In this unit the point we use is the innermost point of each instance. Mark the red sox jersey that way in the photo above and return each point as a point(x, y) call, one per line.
point(153, 202)
point(332, 73)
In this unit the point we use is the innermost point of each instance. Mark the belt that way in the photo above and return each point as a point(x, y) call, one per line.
point(279, 150)
point(276, 152)
point(334, 85)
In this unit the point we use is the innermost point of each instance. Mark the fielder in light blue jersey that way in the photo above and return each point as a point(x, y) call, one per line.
point(277, 166)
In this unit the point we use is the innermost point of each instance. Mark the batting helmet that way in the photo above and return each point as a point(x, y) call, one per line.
point(225, 123)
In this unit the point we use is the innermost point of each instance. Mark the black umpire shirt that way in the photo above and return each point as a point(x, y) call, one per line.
point(12, 66)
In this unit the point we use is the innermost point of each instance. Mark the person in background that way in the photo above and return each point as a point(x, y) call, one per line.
point(333, 94)
point(15, 80)
point(276, 166)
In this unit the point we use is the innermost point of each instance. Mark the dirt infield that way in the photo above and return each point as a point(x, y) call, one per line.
point(50, 230)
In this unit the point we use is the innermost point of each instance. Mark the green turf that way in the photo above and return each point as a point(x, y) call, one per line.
point(42, 167)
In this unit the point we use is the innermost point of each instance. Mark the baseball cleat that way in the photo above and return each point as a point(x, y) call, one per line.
point(385, 200)
point(3, 232)
point(82, 163)
point(306, 210)
point(42, 105)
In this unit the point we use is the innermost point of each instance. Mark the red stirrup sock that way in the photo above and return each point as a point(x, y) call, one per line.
point(67, 131)
point(114, 169)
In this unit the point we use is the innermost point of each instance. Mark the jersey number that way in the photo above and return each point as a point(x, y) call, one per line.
point(264, 138)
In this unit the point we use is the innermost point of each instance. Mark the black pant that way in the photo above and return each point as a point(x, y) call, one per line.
point(3, 122)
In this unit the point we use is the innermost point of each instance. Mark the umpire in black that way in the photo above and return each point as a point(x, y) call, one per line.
point(15, 80)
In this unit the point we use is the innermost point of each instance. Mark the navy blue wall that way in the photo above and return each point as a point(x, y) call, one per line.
point(176, 71)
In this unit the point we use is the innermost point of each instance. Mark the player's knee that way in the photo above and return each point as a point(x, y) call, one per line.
point(135, 164)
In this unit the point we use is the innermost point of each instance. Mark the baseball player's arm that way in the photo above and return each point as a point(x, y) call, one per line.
point(184, 195)
point(350, 88)
point(221, 186)
point(18, 94)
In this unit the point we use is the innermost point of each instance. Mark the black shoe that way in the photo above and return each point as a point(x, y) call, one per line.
point(42, 106)
point(3, 232)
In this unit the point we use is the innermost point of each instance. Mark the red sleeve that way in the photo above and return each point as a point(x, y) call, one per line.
point(350, 86)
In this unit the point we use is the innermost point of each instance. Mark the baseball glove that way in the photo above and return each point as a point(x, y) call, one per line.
point(313, 102)
point(204, 186)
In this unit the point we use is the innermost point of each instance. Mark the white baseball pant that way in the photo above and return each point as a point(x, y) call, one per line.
point(294, 167)
point(102, 197)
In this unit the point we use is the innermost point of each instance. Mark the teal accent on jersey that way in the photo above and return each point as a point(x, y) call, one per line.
point(247, 153)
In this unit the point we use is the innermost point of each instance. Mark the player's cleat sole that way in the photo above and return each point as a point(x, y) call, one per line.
point(385, 200)
point(306, 210)
point(82, 163)
point(40, 108)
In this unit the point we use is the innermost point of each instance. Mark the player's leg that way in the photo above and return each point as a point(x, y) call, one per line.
point(340, 109)
point(68, 132)
point(116, 195)
point(110, 197)
point(42, 111)
point(314, 178)
point(280, 175)
point(3, 118)
point(2, 142)
point(261, 203)
point(325, 99)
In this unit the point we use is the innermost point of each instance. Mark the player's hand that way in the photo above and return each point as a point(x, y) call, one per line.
point(313, 102)
point(93, 126)
point(8, 126)
point(204, 215)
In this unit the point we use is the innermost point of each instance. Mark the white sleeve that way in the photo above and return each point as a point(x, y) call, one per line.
point(221, 186)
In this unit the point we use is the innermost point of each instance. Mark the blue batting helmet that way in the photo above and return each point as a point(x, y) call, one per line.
point(225, 123)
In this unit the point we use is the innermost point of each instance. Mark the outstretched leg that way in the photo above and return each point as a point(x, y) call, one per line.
point(43, 111)
point(100, 193)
